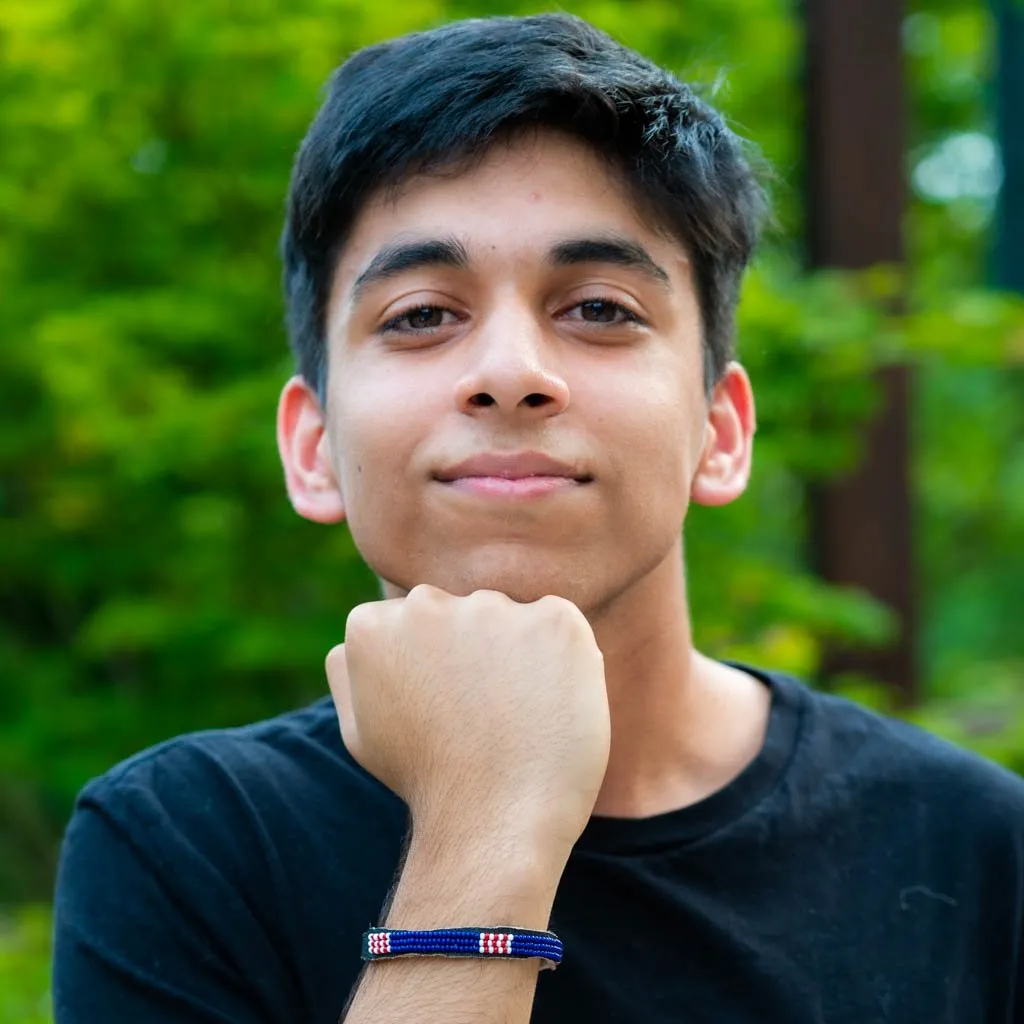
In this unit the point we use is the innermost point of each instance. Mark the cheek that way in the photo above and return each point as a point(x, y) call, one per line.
point(376, 429)
point(653, 425)
point(659, 472)
point(379, 503)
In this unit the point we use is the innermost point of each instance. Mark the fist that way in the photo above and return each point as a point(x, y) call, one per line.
point(487, 716)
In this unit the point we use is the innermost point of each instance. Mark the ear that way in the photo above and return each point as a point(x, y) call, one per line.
point(305, 454)
point(729, 440)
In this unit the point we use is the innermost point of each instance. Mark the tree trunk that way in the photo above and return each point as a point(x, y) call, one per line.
point(861, 532)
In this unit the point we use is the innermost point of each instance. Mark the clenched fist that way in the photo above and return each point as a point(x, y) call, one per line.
point(488, 717)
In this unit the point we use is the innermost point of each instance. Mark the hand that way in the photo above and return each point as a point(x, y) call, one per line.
point(488, 717)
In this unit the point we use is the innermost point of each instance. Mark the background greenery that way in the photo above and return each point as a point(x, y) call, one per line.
point(153, 578)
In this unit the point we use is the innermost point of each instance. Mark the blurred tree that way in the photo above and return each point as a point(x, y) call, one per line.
point(861, 530)
point(1010, 115)
point(153, 578)
point(24, 966)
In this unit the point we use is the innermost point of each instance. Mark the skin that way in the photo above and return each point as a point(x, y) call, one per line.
point(532, 663)
point(623, 400)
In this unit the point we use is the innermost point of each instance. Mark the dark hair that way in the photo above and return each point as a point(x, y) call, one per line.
point(436, 99)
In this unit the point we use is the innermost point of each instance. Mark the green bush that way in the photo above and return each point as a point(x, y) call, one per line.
point(25, 966)
point(153, 578)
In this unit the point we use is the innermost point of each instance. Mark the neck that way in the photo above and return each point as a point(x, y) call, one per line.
point(683, 726)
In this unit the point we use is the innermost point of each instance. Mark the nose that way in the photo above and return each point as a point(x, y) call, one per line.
point(513, 369)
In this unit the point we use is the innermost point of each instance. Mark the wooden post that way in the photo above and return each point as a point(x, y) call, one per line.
point(1009, 262)
point(861, 532)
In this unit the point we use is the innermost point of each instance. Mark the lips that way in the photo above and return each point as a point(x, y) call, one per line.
point(517, 466)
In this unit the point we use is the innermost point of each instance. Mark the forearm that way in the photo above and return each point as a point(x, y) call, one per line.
point(462, 888)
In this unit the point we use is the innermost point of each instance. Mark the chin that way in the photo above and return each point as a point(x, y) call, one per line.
point(521, 575)
point(521, 590)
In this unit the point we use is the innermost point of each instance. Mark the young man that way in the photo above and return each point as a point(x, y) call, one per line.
point(513, 254)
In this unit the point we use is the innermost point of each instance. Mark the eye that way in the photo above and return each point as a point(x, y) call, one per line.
point(604, 311)
point(419, 320)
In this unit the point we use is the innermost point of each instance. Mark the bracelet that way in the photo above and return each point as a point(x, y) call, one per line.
point(486, 943)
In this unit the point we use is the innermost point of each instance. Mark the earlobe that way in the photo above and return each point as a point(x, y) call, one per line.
point(303, 445)
point(726, 459)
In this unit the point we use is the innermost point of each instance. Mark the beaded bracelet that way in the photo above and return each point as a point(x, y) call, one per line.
point(502, 941)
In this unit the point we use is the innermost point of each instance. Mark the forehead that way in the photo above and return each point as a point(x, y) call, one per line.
point(521, 197)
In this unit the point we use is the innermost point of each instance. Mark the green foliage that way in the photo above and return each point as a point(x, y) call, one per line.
point(25, 966)
point(153, 578)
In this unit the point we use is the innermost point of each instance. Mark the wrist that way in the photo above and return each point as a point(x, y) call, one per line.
point(487, 882)
point(523, 833)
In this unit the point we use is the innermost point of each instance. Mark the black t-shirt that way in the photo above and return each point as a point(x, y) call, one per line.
point(858, 871)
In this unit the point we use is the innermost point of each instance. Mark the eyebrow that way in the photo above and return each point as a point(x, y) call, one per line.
point(400, 257)
point(621, 251)
point(403, 256)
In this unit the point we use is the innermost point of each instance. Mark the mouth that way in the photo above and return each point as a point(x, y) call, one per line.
point(535, 486)
point(519, 475)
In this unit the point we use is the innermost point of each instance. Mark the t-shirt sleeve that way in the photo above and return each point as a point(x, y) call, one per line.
point(1018, 986)
point(149, 927)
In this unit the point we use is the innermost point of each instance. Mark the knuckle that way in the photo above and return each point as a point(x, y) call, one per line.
point(361, 622)
point(335, 659)
point(570, 618)
point(559, 609)
point(485, 604)
point(424, 593)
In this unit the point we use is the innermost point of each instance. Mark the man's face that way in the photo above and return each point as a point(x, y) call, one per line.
point(482, 323)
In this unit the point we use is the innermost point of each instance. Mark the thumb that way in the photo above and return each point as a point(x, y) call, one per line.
point(341, 693)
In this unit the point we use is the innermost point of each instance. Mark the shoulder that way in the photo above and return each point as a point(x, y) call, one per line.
point(225, 867)
point(854, 752)
point(245, 754)
point(243, 784)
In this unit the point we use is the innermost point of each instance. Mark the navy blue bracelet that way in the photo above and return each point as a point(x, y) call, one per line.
point(497, 943)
